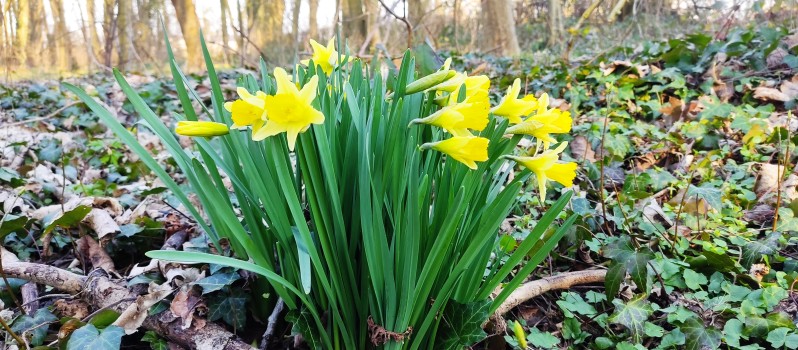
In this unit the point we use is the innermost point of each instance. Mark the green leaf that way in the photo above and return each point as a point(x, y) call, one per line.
point(68, 219)
point(89, 338)
point(229, 307)
point(634, 260)
point(700, 337)
point(707, 192)
point(672, 340)
point(12, 223)
point(733, 331)
point(653, 330)
point(632, 315)
point(104, 318)
point(543, 340)
point(156, 342)
point(613, 280)
point(694, 280)
point(303, 324)
point(755, 249)
point(461, 324)
point(36, 324)
point(217, 281)
point(778, 337)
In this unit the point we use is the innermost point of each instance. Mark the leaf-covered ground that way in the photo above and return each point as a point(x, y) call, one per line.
point(686, 191)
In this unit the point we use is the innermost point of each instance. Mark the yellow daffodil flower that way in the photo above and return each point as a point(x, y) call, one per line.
point(464, 149)
point(520, 336)
point(546, 167)
point(476, 88)
point(513, 108)
point(290, 110)
point(201, 129)
point(324, 57)
point(458, 118)
point(544, 123)
point(248, 110)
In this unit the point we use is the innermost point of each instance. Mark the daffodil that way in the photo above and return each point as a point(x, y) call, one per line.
point(547, 167)
point(464, 149)
point(458, 118)
point(290, 110)
point(248, 110)
point(428, 82)
point(513, 108)
point(201, 129)
point(476, 88)
point(543, 123)
point(324, 57)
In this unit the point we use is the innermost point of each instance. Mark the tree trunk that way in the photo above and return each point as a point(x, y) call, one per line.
point(123, 28)
point(189, 25)
point(266, 20)
point(354, 19)
point(500, 27)
point(313, 23)
point(225, 7)
point(109, 31)
point(373, 18)
point(555, 22)
point(242, 47)
point(295, 27)
point(36, 28)
point(23, 32)
point(417, 10)
point(143, 29)
point(94, 37)
point(61, 37)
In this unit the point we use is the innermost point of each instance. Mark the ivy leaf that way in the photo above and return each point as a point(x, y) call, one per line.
point(156, 342)
point(673, 339)
point(218, 281)
point(304, 325)
point(632, 315)
point(777, 337)
point(35, 324)
point(89, 338)
point(698, 336)
point(544, 340)
point(733, 331)
point(634, 260)
point(755, 249)
point(694, 280)
point(612, 282)
point(653, 330)
point(708, 193)
point(461, 325)
point(229, 307)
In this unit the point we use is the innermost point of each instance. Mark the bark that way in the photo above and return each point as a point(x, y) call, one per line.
point(189, 26)
point(94, 37)
point(266, 20)
point(295, 26)
point(556, 30)
point(242, 48)
point(417, 10)
point(109, 31)
point(36, 28)
point(373, 18)
point(535, 288)
point(500, 27)
point(354, 21)
point(313, 22)
point(225, 7)
point(125, 10)
point(143, 34)
point(23, 32)
point(102, 292)
point(61, 37)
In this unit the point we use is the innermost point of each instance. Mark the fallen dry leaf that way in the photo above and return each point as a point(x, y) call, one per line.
point(71, 308)
point(184, 305)
point(768, 182)
point(91, 251)
point(581, 149)
point(758, 271)
point(132, 318)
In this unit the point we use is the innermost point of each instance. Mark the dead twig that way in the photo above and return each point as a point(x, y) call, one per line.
point(535, 288)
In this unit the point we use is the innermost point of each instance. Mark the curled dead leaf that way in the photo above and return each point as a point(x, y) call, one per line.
point(91, 251)
point(133, 317)
point(184, 306)
point(758, 271)
point(581, 149)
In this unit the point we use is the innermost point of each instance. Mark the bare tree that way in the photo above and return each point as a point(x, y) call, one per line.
point(23, 32)
point(225, 7)
point(189, 25)
point(61, 37)
point(266, 20)
point(313, 23)
point(354, 21)
point(123, 28)
point(109, 30)
point(500, 27)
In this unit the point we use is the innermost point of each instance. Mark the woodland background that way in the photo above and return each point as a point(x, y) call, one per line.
point(57, 37)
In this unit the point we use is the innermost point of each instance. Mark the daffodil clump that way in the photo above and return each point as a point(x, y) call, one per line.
point(369, 203)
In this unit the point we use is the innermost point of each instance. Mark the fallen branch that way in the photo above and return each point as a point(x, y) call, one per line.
point(102, 292)
point(535, 288)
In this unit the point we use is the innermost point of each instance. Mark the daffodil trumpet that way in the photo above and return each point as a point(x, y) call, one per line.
point(547, 166)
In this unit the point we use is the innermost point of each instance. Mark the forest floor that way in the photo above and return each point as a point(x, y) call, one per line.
point(687, 195)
